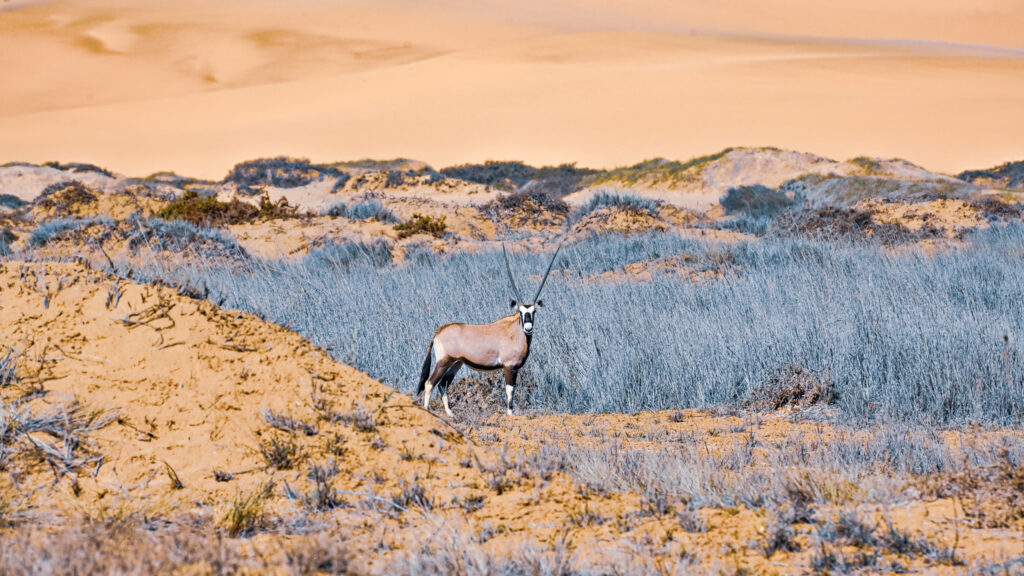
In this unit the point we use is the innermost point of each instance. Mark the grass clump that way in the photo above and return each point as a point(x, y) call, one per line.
point(323, 496)
point(247, 512)
point(281, 452)
point(627, 202)
point(420, 224)
point(345, 254)
point(60, 229)
point(288, 424)
point(365, 210)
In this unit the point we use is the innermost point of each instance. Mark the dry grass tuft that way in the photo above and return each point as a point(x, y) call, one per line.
point(247, 512)
point(281, 451)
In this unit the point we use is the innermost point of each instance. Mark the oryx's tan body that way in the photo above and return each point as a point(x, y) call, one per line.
point(503, 344)
point(500, 345)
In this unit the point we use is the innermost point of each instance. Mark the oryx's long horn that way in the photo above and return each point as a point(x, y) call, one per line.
point(550, 264)
point(508, 268)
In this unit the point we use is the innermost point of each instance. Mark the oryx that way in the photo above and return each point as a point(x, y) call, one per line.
point(503, 344)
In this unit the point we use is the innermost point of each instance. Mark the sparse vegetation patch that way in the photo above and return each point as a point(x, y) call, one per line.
point(364, 210)
point(280, 172)
point(627, 202)
point(420, 224)
point(755, 200)
point(655, 171)
point(553, 181)
point(210, 212)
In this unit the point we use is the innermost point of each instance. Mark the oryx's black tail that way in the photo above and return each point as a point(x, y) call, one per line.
point(425, 371)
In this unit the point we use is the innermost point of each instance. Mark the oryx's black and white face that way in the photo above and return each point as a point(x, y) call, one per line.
point(526, 315)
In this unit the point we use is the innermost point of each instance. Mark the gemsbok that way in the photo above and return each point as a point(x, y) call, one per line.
point(503, 344)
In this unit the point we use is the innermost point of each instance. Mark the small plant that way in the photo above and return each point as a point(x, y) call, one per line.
point(176, 483)
point(69, 425)
point(281, 452)
point(361, 419)
point(655, 501)
point(420, 224)
point(288, 424)
point(413, 494)
point(246, 513)
point(778, 535)
point(335, 445)
point(324, 496)
point(583, 516)
point(471, 503)
point(9, 368)
point(690, 521)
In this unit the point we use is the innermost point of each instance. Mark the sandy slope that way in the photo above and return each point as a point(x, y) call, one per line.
point(188, 383)
point(143, 86)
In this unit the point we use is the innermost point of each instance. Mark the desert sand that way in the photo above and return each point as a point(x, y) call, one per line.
point(195, 87)
point(176, 423)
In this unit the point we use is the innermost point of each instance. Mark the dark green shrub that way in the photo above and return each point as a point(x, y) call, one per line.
point(280, 172)
point(208, 211)
point(421, 224)
point(756, 200)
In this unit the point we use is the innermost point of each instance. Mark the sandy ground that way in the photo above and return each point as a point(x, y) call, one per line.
point(145, 85)
point(186, 386)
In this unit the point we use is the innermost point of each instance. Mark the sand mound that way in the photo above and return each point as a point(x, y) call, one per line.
point(700, 183)
point(177, 407)
point(190, 384)
point(28, 181)
point(1009, 176)
point(950, 217)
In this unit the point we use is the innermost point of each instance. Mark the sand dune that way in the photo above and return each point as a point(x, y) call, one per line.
point(145, 86)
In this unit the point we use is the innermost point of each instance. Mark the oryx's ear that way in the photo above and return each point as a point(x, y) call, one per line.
point(539, 304)
point(512, 303)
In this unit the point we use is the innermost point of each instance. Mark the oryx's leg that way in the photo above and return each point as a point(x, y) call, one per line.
point(442, 366)
point(445, 382)
point(510, 387)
